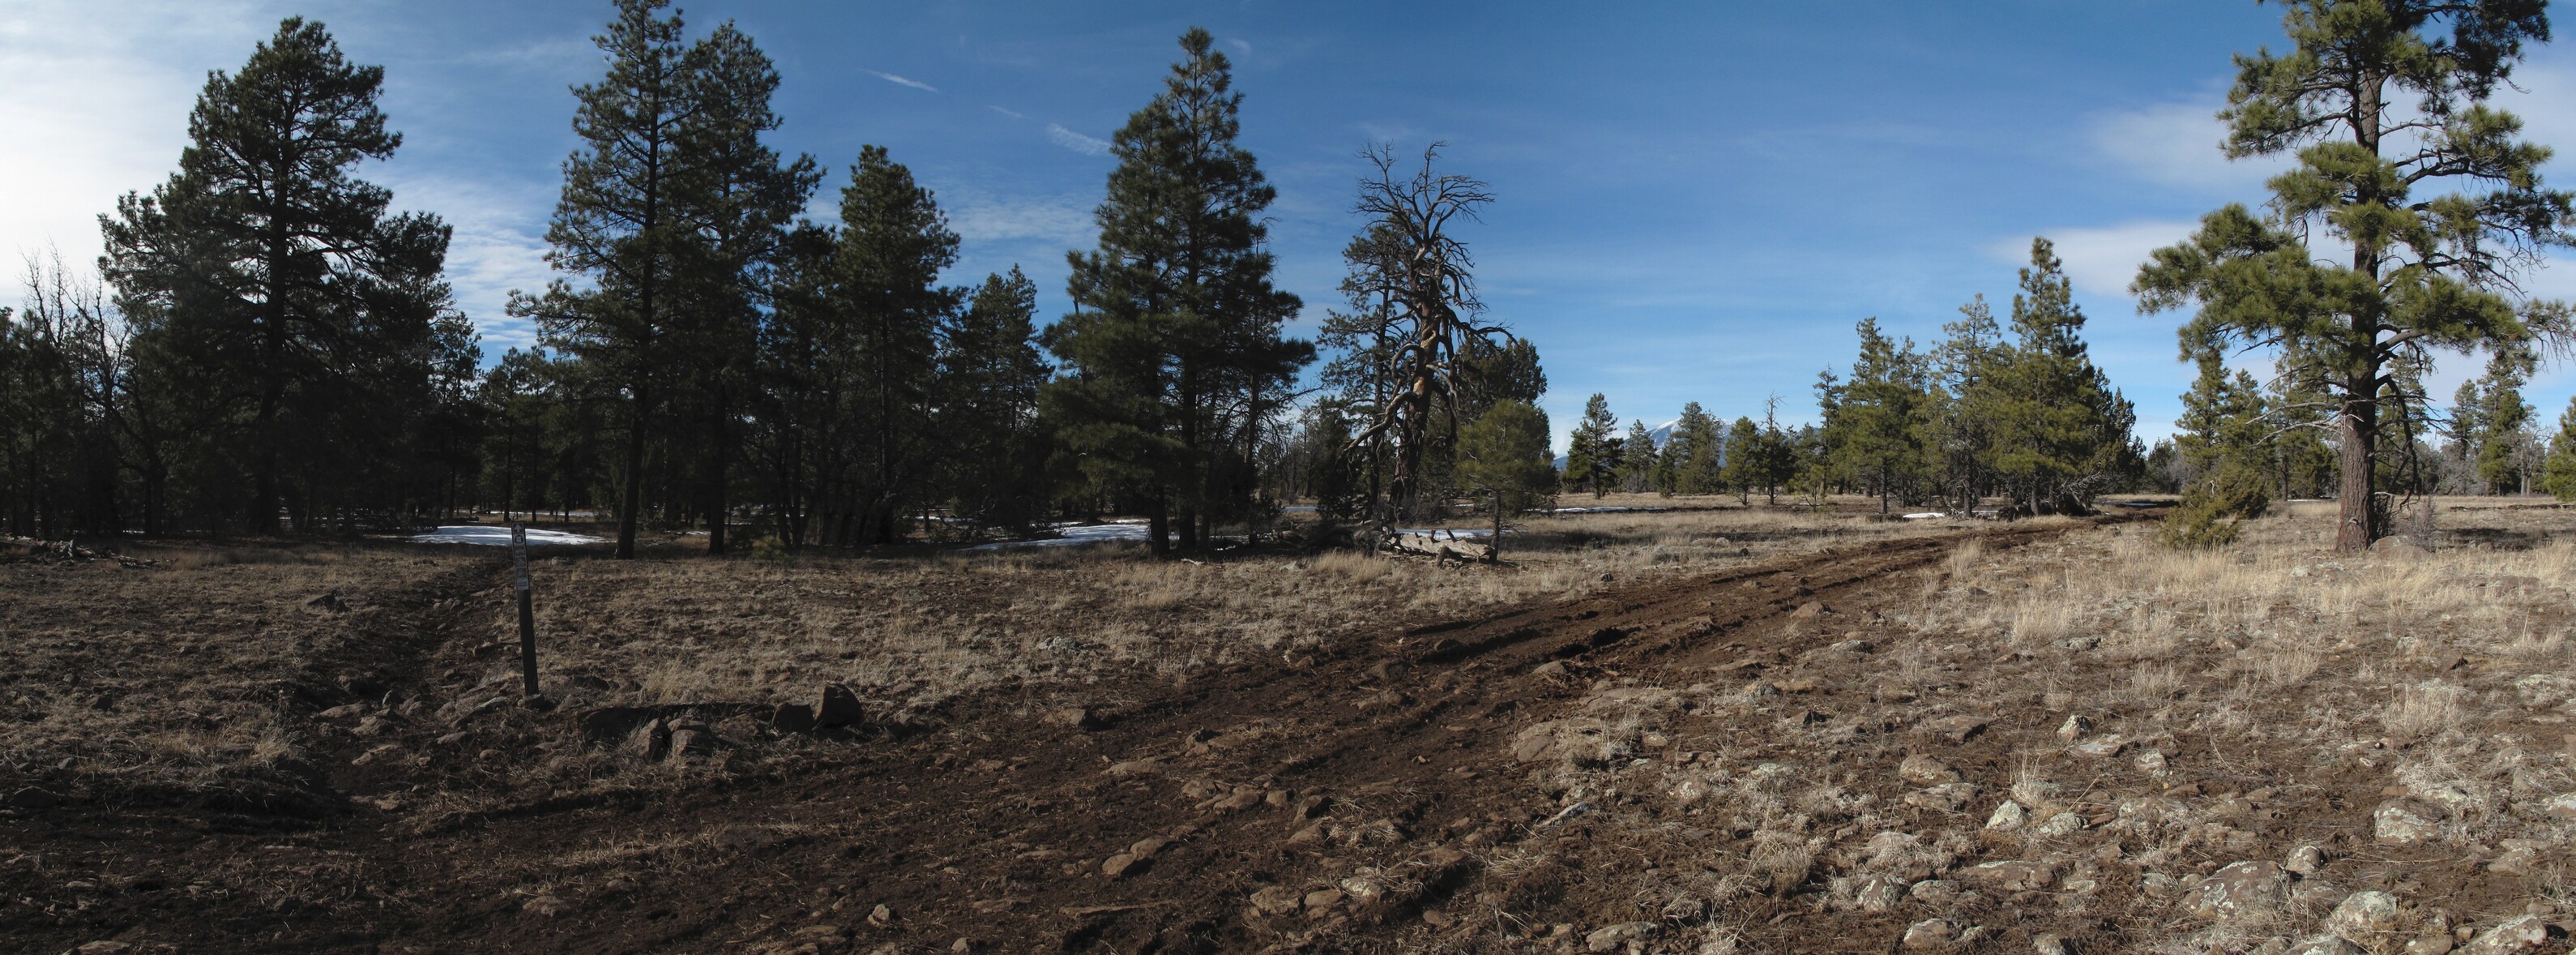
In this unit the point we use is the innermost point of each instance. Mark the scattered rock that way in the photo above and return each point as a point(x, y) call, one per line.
point(1957, 729)
point(1811, 610)
point(2080, 644)
point(1074, 717)
point(378, 754)
point(1135, 767)
point(2010, 876)
point(1322, 899)
point(2008, 816)
point(1924, 770)
point(2062, 824)
point(1879, 894)
point(651, 741)
point(2430, 945)
point(837, 706)
point(2305, 860)
point(545, 905)
point(1947, 797)
point(2051, 943)
point(2562, 806)
point(691, 742)
point(2109, 745)
point(880, 916)
point(1854, 646)
point(2074, 728)
point(33, 798)
point(105, 948)
point(2395, 824)
point(1241, 799)
point(1120, 865)
point(793, 718)
point(327, 603)
point(1930, 933)
point(341, 712)
point(1550, 668)
point(1581, 741)
point(2326, 945)
point(2527, 933)
point(2236, 888)
point(1935, 891)
point(1276, 900)
point(2364, 916)
point(1609, 937)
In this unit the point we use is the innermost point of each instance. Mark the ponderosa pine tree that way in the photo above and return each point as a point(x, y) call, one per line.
point(1174, 350)
point(2060, 431)
point(1696, 450)
point(1876, 420)
point(1504, 453)
point(624, 223)
point(276, 296)
point(2490, 423)
point(990, 371)
point(1592, 453)
point(2227, 442)
point(893, 243)
point(2426, 269)
point(1744, 452)
point(1637, 455)
point(1963, 373)
point(742, 202)
point(2558, 470)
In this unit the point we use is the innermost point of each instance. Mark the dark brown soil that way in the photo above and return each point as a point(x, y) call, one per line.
point(1383, 769)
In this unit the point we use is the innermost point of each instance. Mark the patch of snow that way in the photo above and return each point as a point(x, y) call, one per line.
point(490, 535)
point(1608, 510)
point(1924, 515)
point(1076, 534)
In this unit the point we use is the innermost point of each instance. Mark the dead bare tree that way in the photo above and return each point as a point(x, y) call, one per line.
point(1407, 257)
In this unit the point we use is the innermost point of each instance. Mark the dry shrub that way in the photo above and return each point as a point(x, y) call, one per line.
point(2423, 708)
point(1785, 857)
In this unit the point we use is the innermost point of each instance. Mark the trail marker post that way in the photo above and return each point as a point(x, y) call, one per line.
point(527, 612)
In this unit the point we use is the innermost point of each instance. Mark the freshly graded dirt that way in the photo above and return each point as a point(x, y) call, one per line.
point(1709, 762)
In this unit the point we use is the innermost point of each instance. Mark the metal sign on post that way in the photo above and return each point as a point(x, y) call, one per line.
point(527, 612)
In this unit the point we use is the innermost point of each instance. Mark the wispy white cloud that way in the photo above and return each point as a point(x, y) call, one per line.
point(2100, 260)
point(1077, 142)
point(1009, 113)
point(498, 245)
point(980, 216)
point(1243, 45)
point(900, 81)
point(2177, 145)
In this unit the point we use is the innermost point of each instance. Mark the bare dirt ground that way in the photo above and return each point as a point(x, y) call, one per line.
point(1699, 731)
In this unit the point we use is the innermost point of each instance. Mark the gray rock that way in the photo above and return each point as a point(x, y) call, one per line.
point(1609, 937)
point(2013, 876)
point(2238, 888)
point(2326, 945)
point(1930, 933)
point(2008, 816)
point(1924, 770)
point(2528, 933)
point(2364, 916)
point(2051, 943)
point(1878, 894)
point(2074, 728)
point(1947, 797)
point(2396, 824)
point(2062, 824)
point(2305, 860)
point(2105, 747)
point(1935, 891)
point(1579, 741)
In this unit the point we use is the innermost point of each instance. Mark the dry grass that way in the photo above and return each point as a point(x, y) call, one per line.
point(917, 632)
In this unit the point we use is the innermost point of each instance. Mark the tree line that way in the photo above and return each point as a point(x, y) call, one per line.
point(269, 347)
point(2013, 410)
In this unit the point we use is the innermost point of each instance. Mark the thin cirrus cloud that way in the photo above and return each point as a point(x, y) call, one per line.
point(902, 81)
point(1086, 145)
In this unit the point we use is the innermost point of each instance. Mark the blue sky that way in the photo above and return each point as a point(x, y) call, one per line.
point(1696, 201)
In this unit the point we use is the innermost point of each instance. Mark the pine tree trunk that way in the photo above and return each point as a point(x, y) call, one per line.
point(2355, 524)
point(631, 497)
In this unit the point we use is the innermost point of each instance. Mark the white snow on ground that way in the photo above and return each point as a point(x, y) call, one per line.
point(1076, 534)
point(1607, 510)
point(500, 536)
point(1924, 515)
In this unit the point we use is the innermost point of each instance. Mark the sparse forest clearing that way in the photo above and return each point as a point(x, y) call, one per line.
point(1687, 731)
